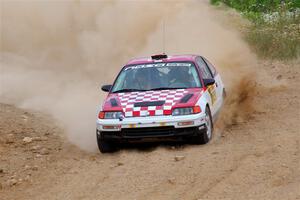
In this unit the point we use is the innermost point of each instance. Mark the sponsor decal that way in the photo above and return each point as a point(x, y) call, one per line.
point(173, 64)
point(212, 92)
point(132, 125)
point(162, 123)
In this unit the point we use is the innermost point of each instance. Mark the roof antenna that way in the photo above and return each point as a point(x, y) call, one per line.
point(164, 36)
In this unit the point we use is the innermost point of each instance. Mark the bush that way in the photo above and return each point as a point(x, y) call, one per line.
point(275, 29)
point(275, 42)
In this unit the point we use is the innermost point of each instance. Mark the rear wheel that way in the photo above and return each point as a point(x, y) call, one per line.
point(205, 137)
point(105, 146)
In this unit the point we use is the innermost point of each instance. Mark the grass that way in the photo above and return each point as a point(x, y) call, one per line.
point(275, 27)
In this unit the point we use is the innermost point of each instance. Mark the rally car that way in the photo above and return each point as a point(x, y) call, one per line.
point(161, 98)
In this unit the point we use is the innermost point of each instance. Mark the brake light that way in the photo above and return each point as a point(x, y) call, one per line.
point(196, 109)
point(101, 115)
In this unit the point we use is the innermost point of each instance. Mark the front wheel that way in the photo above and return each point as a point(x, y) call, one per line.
point(205, 137)
point(105, 146)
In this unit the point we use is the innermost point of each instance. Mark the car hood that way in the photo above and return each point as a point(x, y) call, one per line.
point(151, 103)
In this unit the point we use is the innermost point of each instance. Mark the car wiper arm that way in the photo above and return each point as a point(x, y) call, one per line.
point(128, 90)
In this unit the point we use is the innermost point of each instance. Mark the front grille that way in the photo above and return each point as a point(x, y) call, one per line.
point(156, 131)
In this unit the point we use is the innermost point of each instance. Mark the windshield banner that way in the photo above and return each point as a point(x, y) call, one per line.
point(173, 64)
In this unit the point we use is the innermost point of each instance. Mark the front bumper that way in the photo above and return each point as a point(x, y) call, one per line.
point(151, 134)
point(158, 127)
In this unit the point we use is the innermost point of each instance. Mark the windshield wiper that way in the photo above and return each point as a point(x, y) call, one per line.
point(128, 90)
point(168, 88)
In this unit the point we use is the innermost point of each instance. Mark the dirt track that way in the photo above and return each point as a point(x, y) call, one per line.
point(254, 159)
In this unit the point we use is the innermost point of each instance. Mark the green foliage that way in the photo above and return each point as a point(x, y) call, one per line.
point(275, 29)
point(259, 5)
point(275, 41)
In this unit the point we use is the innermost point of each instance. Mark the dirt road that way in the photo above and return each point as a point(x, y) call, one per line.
point(254, 159)
point(52, 59)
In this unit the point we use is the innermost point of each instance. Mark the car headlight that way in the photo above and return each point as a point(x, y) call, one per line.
point(109, 115)
point(186, 111)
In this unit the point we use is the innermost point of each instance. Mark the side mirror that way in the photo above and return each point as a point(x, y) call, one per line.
point(106, 88)
point(209, 81)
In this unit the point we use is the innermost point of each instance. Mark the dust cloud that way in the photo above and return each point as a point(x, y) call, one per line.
point(56, 54)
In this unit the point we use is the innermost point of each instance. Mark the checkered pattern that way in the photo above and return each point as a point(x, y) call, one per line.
point(169, 96)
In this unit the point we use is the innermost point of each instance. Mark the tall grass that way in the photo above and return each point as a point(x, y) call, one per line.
point(275, 28)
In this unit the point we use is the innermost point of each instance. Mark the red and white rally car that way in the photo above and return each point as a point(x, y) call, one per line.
point(161, 97)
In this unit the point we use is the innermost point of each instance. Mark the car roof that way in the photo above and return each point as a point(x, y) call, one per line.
point(172, 58)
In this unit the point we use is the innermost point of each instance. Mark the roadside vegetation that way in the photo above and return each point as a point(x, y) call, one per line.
point(275, 26)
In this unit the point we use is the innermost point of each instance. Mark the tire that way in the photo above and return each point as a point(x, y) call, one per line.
point(105, 146)
point(204, 138)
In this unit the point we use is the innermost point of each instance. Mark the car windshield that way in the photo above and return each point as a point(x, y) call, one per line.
point(157, 76)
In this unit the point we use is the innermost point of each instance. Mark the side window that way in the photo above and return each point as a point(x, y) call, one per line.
point(203, 68)
point(195, 76)
point(211, 67)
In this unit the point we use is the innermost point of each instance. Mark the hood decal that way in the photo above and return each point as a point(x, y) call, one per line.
point(129, 100)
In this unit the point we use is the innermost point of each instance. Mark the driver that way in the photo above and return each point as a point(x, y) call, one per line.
point(142, 79)
point(180, 77)
point(148, 78)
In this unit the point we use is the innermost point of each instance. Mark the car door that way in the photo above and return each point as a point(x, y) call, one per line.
point(219, 84)
point(207, 74)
